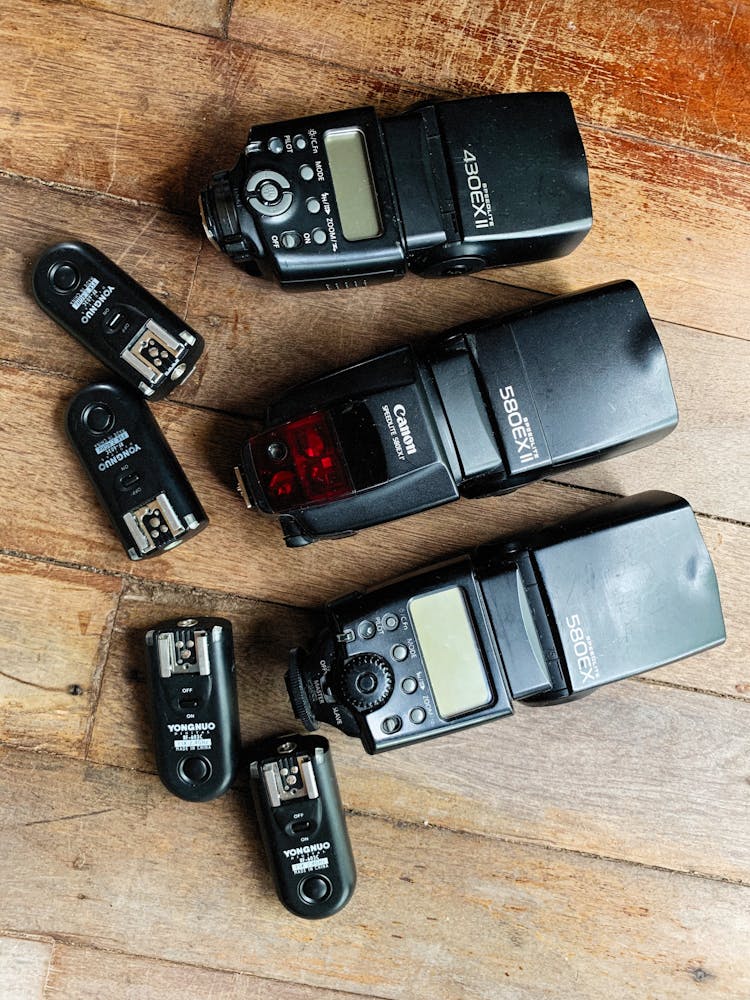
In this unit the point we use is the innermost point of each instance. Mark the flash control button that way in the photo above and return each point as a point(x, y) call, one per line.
point(194, 770)
point(313, 205)
point(300, 142)
point(366, 629)
point(319, 236)
point(276, 145)
point(391, 725)
point(417, 716)
point(409, 685)
point(306, 172)
point(269, 192)
point(64, 277)
point(400, 652)
point(390, 622)
point(314, 889)
point(98, 418)
point(367, 682)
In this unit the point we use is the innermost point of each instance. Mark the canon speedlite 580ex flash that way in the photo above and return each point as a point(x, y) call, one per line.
point(343, 200)
point(480, 410)
point(612, 592)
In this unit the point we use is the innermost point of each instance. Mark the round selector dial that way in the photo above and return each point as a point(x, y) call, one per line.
point(367, 681)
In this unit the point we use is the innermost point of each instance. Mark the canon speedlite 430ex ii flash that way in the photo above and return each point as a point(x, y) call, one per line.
point(612, 592)
point(343, 200)
point(481, 410)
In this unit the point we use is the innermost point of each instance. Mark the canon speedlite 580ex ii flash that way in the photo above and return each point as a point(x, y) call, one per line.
point(343, 200)
point(481, 410)
point(612, 592)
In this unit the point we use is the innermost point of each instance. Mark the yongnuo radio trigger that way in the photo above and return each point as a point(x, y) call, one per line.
point(139, 481)
point(130, 331)
point(302, 823)
point(193, 693)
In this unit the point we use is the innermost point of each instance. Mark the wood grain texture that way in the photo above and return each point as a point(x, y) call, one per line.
point(670, 71)
point(614, 774)
point(673, 221)
point(86, 974)
point(206, 17)
point(23, 968)
point(455, 914)
point(152, 135)
point(54, 628)
point(597, 850)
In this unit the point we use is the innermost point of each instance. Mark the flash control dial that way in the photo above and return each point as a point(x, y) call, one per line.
point(367, 682)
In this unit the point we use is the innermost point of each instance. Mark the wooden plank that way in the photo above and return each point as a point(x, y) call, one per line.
point(674, 221)
point(553, 776)
point(242, 552)
point(86, 974)
point(670, 72)
point(263, 636)
point(24, 965)
point(207, 17)
point(53, 633)
point(157, 248)
point(426, 897)
point(152, 135)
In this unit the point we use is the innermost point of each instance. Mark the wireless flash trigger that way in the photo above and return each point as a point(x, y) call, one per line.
point(138, 480)
point(302, 824)
point(480, 410)
point(126, 327)
point(193, 694)
point(545, 617)
point(343, 200)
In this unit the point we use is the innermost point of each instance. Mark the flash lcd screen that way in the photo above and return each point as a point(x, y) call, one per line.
point(352, 184)
point(450, 653)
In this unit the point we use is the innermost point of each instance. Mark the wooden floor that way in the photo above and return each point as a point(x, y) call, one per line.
point(600, 849)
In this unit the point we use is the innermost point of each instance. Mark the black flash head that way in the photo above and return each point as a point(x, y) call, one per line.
point(546, 617)
point(480, 410)
point(344, 200)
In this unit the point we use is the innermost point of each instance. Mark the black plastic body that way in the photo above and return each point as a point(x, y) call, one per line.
point(138, 480)
point(555, 614)
point(193, 699)
point(127, 328)
point(305, 838)
point(459, 186)
point(482, 409)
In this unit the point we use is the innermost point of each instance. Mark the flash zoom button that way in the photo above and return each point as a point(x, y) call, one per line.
point(367, 682)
